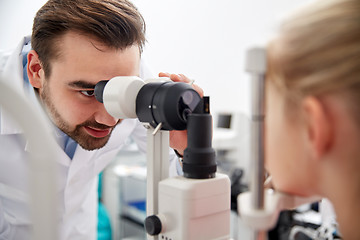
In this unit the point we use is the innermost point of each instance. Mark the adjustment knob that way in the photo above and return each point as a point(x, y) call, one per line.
point(153, 225)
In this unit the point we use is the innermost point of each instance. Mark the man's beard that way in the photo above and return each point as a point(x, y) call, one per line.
point(85, 140)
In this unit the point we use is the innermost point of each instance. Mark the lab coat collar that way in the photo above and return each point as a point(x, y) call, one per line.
point(13, 75)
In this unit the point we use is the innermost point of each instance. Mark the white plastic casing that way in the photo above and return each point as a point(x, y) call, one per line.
point(274, 202)
point(120, 94)
point(195, 209)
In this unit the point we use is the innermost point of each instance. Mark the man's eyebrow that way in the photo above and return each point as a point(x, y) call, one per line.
point(81, 84)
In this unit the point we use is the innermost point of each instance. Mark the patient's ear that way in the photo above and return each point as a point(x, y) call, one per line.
point(318, 126)
point(34, 70)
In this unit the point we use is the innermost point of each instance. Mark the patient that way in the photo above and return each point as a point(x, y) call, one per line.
point(313, 108)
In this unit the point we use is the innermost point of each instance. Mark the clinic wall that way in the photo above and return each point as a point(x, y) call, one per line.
point(204, 39)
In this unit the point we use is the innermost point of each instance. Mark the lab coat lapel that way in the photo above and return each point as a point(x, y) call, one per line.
point(82, 164)
point(12, 73)
point(63, 158)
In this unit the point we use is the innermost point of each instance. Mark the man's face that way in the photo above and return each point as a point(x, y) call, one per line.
point(68, 92)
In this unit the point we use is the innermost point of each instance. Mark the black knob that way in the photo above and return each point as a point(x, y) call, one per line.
point(153, 225)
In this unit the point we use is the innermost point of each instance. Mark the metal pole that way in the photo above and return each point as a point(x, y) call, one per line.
point(256, 66)
point(157, 168)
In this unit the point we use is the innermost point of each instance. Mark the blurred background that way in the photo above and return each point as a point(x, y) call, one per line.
point(203, 39)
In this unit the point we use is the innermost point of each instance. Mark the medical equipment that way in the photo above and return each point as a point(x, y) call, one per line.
point(43, 186)
point(124, 193)
point(193, 206)
point(229, 130)
point(231, 139)
point(259, 208)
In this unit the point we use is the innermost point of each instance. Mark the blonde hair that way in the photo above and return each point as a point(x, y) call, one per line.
point(318, 52)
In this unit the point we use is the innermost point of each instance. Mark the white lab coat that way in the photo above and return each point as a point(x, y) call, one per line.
point(78, 180)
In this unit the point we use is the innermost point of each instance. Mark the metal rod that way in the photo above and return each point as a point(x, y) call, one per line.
point(256, 66)
point(257, 141)
point(157, 168)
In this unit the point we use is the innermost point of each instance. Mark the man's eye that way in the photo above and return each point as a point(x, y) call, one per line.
point(88, 93)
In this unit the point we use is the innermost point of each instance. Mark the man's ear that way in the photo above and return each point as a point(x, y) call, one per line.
point(35, 70)
point(318, 125)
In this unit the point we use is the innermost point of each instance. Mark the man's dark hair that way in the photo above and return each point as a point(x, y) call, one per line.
point(116, 23)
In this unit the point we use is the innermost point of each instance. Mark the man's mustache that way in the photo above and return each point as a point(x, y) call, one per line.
point(94, 124)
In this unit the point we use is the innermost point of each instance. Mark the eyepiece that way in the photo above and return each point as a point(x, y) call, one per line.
point(99, 90)
point(168, 103)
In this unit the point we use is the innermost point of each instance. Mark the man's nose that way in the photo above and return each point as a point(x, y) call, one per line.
point(103, 117)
